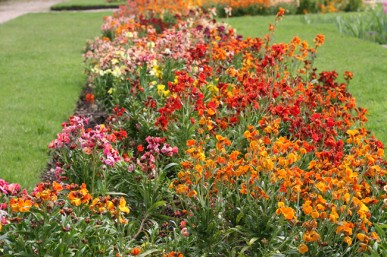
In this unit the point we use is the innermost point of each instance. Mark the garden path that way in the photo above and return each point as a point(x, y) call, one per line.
point(11, 9)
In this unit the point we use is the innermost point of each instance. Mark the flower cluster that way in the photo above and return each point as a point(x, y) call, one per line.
point(263, 153)
point(256, 120)
point(9, 189)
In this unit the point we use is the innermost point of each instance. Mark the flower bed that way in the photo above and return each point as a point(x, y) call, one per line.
point(226, 8)
point(215, 144)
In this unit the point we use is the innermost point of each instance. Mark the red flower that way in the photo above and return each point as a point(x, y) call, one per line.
point(140, 148)
point(90, 98)
point(281, 12)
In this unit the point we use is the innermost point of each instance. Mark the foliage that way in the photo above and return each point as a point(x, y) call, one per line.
point(370, 25)
point(221, 146)
point(86, 5)
point(314, 6)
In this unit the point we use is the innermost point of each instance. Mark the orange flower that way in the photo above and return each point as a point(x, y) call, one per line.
point(79, 196)
point(181, 189)
point(287, 212)
point(89, 98)
point(303, 248)
point(135, 251)
point(56, 186)
point(191, 142)
point(345, 228)
point(334, 215)
point(234, 155)
point(315, 214)
point(319, 40)
point(311, 236)
point(20, 205)
point(348, 75)
point(281, 12)
point(307, 208)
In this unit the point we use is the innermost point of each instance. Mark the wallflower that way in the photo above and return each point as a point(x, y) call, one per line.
point(348, 240)
point(311, 236)
point(123, 207)
point(135, 251)
point(303, 248)
point(79, 196)
point(346, 228)
point(287, 212)
point(281, 12)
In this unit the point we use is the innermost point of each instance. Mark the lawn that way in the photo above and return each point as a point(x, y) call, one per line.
point(368, 61)
point(41, 77)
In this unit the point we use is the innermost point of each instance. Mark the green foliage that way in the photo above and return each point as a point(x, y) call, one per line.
point(86, 4)
point(255, 9)
point(370, 25)
point(353, 5)
point(307, 6)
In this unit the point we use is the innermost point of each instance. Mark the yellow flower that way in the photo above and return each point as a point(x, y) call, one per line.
point(352, 132)
point(123, 207)
point(348, 240)
point(361, 237)
point(182, 189)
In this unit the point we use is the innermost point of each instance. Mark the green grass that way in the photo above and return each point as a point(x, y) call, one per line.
point(86, 4)
point(367, 60)
point(41, 77)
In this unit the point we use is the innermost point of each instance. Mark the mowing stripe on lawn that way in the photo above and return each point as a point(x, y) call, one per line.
point(367, 60)
point(41, 77)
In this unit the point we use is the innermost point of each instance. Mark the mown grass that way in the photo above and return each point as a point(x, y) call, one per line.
point(41, 77)
point(86, 4)
point(367, 60)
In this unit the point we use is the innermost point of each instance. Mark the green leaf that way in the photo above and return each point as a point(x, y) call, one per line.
point(156, 205)
point(239, 217)
point(117, 193)
point(379, 229)
point(149, 252)
point(170, 165)
point(252, 241)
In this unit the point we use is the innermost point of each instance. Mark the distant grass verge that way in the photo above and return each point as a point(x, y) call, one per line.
point(41, 74)
point(85, 5)
point(368, 61)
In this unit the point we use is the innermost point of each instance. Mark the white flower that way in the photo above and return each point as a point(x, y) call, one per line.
point(116, 72)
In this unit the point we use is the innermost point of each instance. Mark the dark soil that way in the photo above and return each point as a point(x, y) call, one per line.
point(85, 109)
